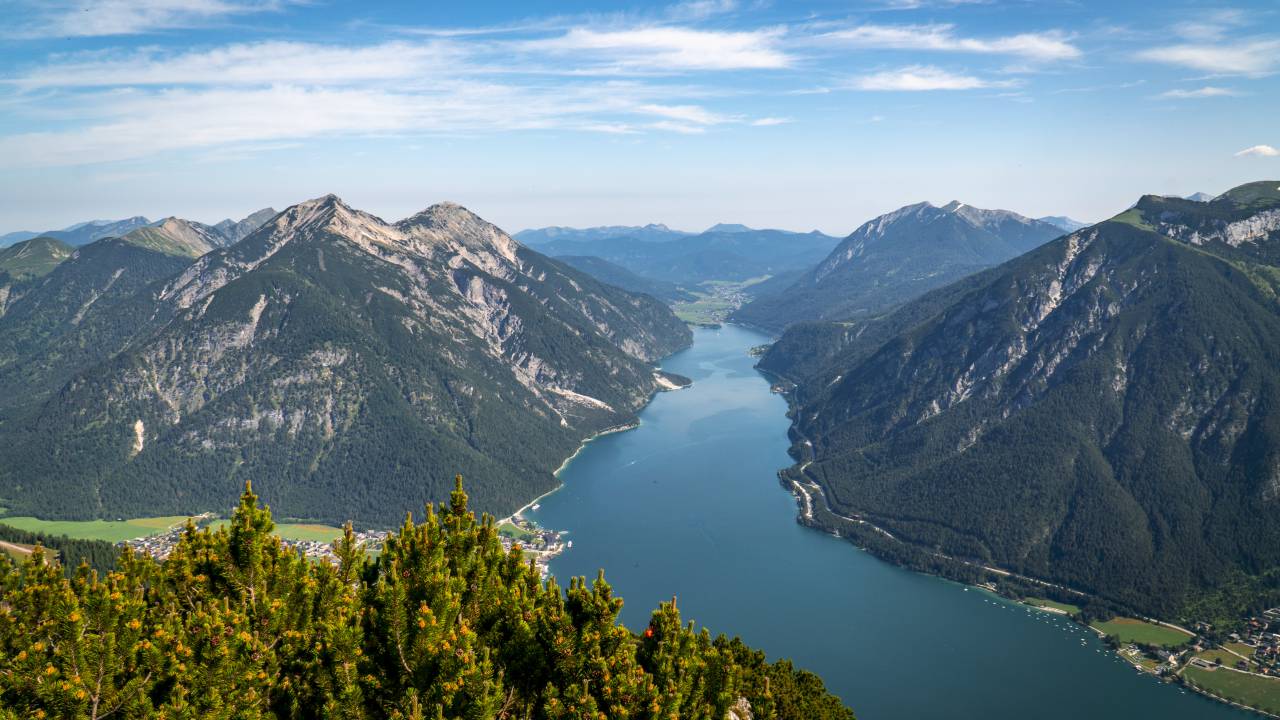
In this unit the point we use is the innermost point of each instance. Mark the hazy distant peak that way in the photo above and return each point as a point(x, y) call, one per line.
point(728, 228)
point(1200, 197)
point(1064, 223)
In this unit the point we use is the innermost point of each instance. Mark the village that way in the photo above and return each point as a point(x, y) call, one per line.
point(538, 544)
point(161, 545)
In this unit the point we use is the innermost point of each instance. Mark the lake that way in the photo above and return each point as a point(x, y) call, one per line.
point(689, 505)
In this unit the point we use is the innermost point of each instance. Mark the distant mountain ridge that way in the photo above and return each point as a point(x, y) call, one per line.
point(1064, 223)
point(350, 365)
point(734, 254)
point(896, 257)
point(226, 232)
point(1099, 412)
point(653, 232)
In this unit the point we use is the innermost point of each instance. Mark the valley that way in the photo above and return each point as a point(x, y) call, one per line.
point(688, 504)
point(198, 295)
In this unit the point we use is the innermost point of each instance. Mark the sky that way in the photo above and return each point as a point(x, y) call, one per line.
point(796, 115)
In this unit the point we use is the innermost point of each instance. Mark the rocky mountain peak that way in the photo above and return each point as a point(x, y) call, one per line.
point(451, 225)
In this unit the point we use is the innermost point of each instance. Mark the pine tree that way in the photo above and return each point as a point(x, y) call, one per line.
point(443, 625)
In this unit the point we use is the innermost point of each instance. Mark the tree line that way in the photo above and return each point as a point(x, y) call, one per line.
point(443, 623)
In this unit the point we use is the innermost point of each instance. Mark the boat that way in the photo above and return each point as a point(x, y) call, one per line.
point(535, 506)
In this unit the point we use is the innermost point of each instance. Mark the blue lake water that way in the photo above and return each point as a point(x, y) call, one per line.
point(689, 505)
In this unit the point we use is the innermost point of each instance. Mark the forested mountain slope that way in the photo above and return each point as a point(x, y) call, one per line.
point(348, 365)
point(1098, 412)
point(31, 259)
point(616, 275)
point(897, 257)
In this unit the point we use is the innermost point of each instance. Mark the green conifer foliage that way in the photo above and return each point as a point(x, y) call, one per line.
point(443, 625)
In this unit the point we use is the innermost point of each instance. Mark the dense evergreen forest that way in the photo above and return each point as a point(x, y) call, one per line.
point(135, 382)
point(71, 552)
point(1098, 412)
point(443, 623)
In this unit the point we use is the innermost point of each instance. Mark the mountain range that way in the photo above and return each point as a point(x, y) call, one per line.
point(897, 257)
point(653, 232)
point(348, 365)
point(225, 232)
point(723, 252)
point(1098, 412)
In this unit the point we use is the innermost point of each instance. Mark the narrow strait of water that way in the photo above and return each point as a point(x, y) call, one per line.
point(688, 504)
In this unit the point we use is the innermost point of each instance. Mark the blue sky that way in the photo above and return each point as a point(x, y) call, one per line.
point(797, 115)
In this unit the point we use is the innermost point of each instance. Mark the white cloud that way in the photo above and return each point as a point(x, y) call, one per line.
point(1207, 91)
point(1258, 151)
point(920, 78)
point(771, 121)
point(1212, 26)
point(667, 48)
point(678, 127)
point(131, 124)
point(88, 18)
point(611, 128)
point(252, 64)
point(700, 9)
point(1257, 56)
point(1046, 46)
point(684, 113)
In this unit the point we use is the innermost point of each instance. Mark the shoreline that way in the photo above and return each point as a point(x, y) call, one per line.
point(556, 474)
point(664, 386)
point(805, 516)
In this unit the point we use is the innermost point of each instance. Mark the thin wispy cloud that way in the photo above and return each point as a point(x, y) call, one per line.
point(1253, 57)
point(1207, 91)
point(91, 18)
point(920, 78)
point(692, 114)
point(251, 64)
point(1258, 151)
point(669, 48)
point(922, 4)
point(1212, 26)
point(128, 126)
point(1044, 46)
point(693, 10)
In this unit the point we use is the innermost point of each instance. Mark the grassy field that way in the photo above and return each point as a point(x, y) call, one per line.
point(1067, 608)
point(513, 531)
point(296, 531)
point(1245, 650)
point(717, 299)
point(109, 530)
point(706, 310)
point(17, 551)
point(1257, 692)
point(1219, 654)
point(1128, 630)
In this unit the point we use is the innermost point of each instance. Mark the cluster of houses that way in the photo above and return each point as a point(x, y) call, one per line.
point(159, 546)
point(538, 544)
point(1262, 633)
point(371, 540)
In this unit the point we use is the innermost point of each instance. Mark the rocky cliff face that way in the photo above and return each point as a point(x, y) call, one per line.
point(350, 367)
point(896, 257)
point(233, 231)
point(1097, 412)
